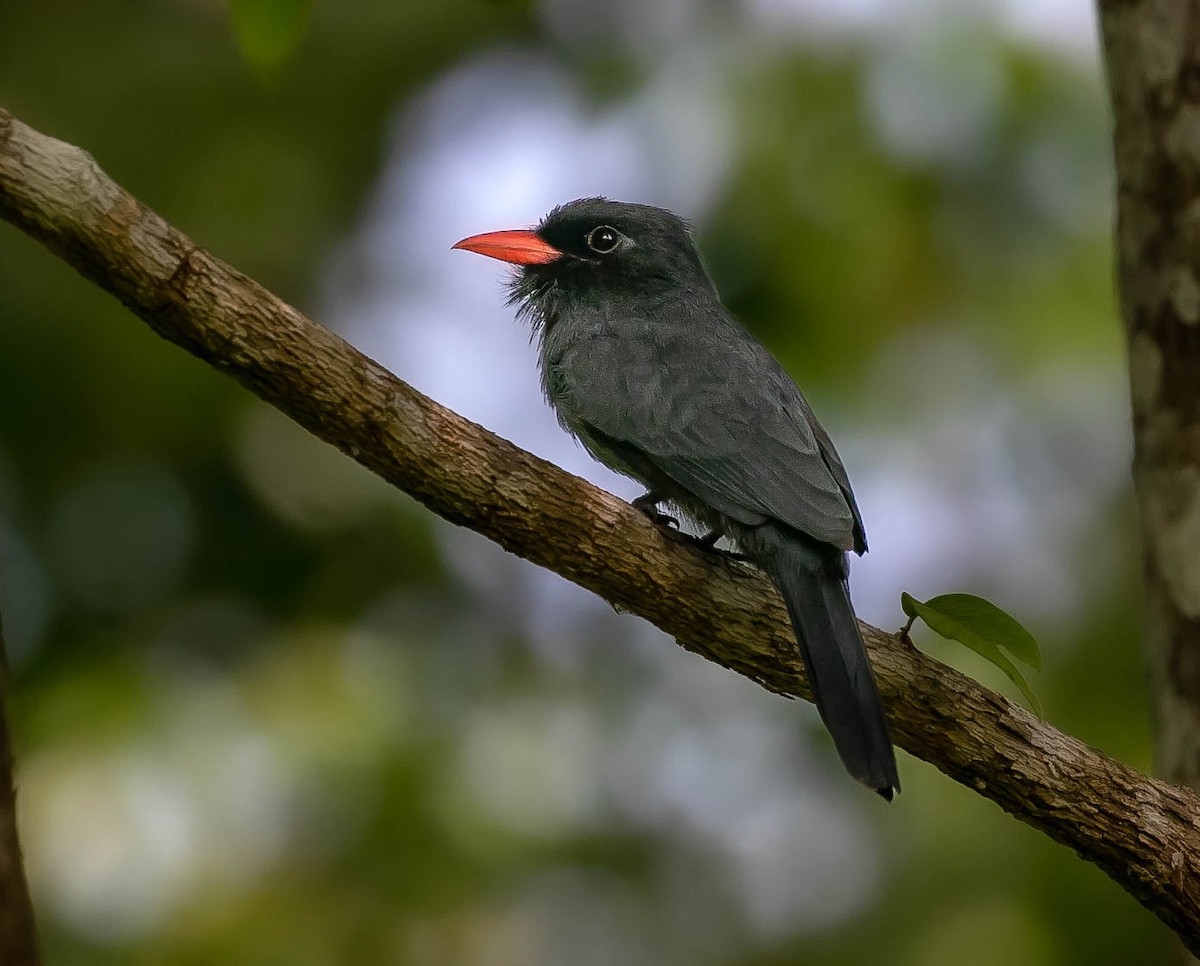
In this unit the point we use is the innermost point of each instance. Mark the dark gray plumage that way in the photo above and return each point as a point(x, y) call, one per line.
point(648, 370)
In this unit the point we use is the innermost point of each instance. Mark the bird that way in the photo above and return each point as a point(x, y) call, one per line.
point(643, 364)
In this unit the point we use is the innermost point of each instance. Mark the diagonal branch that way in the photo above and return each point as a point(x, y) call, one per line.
point(1141, 831)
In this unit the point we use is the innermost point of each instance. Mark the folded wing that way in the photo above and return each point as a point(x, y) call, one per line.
point(753, 452)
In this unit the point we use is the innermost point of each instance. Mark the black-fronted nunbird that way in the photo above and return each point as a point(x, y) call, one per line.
point(645, 366)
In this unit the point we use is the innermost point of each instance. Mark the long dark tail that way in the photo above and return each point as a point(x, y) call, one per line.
point(812, 579)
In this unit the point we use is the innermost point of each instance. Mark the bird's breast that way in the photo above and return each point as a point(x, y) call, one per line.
point(558, 355)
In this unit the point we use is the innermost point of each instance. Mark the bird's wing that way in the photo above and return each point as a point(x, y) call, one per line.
point(718, 416)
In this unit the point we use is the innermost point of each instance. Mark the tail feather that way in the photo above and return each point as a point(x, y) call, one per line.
point(812, 580)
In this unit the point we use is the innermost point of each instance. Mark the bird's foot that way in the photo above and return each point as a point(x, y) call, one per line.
point(709, 542)
point(648, 504)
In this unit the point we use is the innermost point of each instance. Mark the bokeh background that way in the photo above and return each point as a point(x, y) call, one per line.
point(270, 711)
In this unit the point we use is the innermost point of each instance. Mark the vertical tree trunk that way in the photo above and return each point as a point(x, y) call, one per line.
point(1152, 55)
point(18, 933)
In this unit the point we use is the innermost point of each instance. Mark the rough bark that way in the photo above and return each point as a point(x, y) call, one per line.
point(1153, 64)
point(18, 932)
point(1141, 831)
point(1152, 59)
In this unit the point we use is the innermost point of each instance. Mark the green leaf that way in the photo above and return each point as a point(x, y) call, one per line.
point(268, 31)
point(985, 629)
point(981, 618)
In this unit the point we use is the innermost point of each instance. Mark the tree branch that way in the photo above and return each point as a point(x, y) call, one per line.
point(1141, 831)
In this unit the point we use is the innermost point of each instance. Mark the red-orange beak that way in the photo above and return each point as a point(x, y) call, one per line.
point(517, 247)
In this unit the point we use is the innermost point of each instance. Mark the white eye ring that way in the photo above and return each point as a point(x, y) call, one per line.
point(602, 239)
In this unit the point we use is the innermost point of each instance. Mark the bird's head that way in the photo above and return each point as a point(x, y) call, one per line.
point(596, 251)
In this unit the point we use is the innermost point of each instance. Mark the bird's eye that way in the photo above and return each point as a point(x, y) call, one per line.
point(602, 239)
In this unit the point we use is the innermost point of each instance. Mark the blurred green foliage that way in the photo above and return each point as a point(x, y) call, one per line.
point(264, 717)
point(268, 31)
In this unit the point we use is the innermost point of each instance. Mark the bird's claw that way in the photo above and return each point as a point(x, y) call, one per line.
point(648, 504)
point(708, 542)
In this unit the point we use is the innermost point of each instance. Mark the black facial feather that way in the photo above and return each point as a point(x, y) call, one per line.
point(653, 256)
